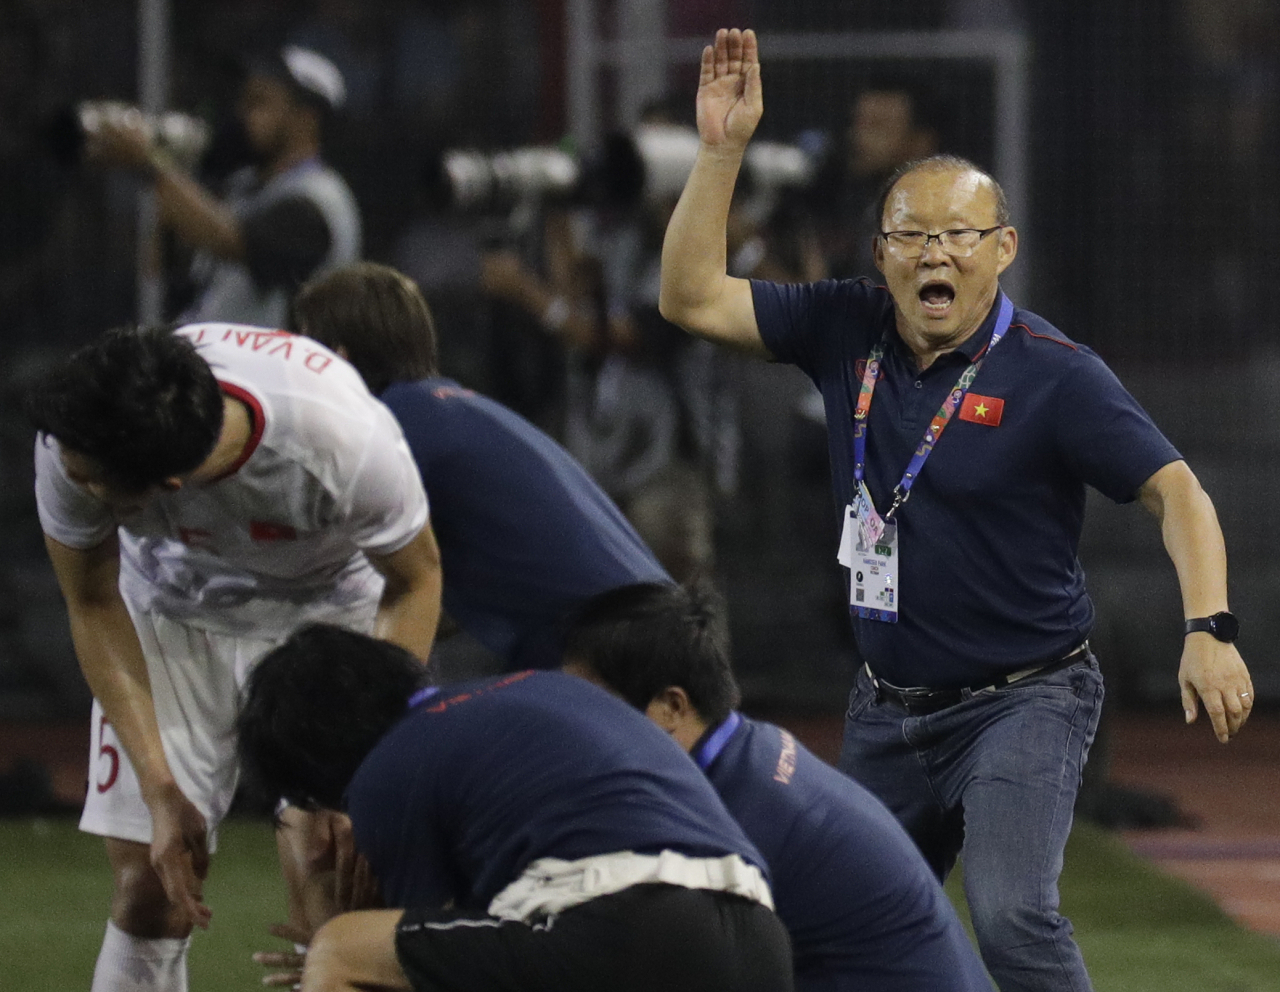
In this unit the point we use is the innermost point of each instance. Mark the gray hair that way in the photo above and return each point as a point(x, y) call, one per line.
point(941, 163)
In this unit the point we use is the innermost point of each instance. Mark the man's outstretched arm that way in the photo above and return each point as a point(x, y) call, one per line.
point(697, 292)
point(1212, 671)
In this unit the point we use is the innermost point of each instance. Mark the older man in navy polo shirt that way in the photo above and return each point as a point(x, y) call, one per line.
point(963, 432)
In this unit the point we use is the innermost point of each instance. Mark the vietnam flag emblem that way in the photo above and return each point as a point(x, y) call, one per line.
point(980, 409)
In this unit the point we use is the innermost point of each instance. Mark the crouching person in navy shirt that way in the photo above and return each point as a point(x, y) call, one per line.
point(526, 536)
point(863, 908)
point(530, 831)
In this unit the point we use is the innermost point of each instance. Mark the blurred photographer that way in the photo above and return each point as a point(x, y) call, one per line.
point(890, 121)
point(651, 413)
point(281, 220)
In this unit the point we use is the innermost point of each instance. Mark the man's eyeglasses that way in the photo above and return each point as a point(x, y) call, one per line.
point(960, 243)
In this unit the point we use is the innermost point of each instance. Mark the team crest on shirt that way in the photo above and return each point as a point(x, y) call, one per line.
point(263, 530)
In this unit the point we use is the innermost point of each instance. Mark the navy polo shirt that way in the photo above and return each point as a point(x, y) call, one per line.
point(486, 777)
point(862, 907)
point(525, 535)
point(989, 579)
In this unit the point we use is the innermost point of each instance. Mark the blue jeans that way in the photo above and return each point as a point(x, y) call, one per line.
point(994, 780)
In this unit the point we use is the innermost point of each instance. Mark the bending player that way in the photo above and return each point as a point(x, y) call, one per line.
point(863, 908)
point(530, 831)
point(203, 493)
point(526, 536)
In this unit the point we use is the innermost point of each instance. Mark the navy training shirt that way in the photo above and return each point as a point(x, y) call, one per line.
point(525, 535)
point(862, 907)
point(989, 581)
point(486, 777)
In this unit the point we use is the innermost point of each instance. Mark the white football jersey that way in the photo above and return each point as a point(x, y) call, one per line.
point(281, 539)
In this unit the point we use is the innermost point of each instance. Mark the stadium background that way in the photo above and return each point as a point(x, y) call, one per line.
point(1146, 135)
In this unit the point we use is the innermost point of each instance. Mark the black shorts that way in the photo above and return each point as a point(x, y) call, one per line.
point(648, 938)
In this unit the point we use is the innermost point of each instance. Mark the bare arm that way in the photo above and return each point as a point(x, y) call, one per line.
point(356, 951)
point(697, 291)
point(193, 213)
point(113, 664)
point(1211, 670)
point(504, 275)
point(410, 608)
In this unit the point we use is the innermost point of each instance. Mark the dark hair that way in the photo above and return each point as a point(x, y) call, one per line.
point(315, 707)
point(377, 316)
point(640, 639)
point(140, 402)
point(940, 163)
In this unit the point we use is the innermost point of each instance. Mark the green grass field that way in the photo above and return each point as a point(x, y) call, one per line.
point(1140, 931)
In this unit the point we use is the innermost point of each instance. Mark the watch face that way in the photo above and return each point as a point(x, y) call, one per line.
point(1225, 626)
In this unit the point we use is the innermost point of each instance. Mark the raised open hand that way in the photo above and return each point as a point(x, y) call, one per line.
point(730, 98)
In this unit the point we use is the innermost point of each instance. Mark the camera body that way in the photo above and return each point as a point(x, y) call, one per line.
point(182, 137)
point(650, 164)
point(478, 181)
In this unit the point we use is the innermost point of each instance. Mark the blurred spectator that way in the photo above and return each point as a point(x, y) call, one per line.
point(890, 122)
point(440, 249)
point(650, 413)
point(281, 220)
point(492, 342)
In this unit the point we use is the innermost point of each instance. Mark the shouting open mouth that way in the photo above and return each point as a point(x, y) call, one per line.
point(936, 297)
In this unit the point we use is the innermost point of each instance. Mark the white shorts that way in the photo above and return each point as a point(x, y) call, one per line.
point(196, 680)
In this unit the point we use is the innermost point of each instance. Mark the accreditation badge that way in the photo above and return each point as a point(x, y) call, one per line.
point(873, 576)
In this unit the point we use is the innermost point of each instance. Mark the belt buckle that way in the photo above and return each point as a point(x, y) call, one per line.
point(916, 700)
point(920, 701)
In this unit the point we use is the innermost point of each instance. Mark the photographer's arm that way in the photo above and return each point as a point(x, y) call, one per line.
point(561, 314)
point(190, 210)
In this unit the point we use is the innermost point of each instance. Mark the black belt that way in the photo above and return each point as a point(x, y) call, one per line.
point(921, 700)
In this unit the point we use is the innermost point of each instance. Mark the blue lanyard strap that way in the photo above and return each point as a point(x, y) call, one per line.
point(861, 414)
point(714, 744)
point(422, 695)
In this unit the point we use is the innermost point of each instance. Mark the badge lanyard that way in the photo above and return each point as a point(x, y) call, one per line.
point(869, 543)
point(940, 419)
point(422, 695)
point(716, 742)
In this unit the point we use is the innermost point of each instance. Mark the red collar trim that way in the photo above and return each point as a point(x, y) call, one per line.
point(256, 415)
point(1046, 337)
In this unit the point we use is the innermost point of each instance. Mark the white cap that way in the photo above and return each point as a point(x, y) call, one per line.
point(315, 74)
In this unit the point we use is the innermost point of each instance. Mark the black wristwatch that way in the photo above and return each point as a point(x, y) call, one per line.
point(1224, 626)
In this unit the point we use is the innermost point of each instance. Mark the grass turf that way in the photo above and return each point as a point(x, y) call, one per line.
point(55, 891)
point(1140, 931)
